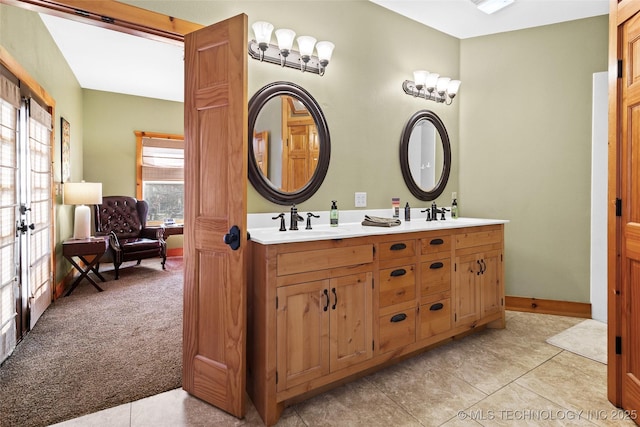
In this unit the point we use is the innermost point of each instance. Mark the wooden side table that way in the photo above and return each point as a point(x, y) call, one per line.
point(173, 230)
point(81, 249)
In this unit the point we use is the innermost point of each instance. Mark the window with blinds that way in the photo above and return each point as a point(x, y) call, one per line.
point(9, 107)
point(161, 175)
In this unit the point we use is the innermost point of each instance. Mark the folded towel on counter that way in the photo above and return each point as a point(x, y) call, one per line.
point(376, 221)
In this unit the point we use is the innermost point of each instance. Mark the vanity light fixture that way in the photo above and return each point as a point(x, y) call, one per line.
point(431, 86)
point(283, 53)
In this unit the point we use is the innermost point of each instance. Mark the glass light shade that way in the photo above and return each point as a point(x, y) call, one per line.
point(420, 78)
point(262, 30)
point(306, 45)
point(285, 38)
point(325, 50)
point(491, 6)
point(431, 81)
point(441, 86)
point(453, 87)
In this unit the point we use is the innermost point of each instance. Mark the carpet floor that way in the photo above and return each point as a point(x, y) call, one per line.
point(95, 350)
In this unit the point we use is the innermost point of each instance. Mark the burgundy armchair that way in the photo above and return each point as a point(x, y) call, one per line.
point(124, 220)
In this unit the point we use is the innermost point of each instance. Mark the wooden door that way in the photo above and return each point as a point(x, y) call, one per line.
point(302, 333)
point(297, 154)
point(491, 283)
point(630, 192)
point(216, 113)
point(466, 292)
point(261, 151)
point(351, 320)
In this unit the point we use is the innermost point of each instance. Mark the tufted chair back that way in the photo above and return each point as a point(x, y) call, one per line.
point(123, 215)
point(124, 220)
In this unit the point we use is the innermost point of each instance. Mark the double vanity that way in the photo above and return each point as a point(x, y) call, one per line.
point(331, 304)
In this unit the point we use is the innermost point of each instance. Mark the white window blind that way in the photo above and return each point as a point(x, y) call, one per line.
point(162, 159)
point(9, 106)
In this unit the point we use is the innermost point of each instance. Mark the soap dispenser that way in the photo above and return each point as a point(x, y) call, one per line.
point(333, 214)
point(454, 206)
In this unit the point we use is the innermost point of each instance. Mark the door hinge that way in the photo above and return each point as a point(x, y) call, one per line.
point(276, 377)
point(372, 283)
point(373, 345)
point(619, 68)
point(618, 207)
point(618, 345)
point(455, 317)
point(276, 303)
point(455, 267)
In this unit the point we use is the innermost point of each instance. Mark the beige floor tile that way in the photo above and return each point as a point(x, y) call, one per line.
point(575, 383)
point(359, 403)
point(515, 405)
point(430, 394)
point(119, 416)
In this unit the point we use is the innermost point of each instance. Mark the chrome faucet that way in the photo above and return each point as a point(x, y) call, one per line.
point(293, 223)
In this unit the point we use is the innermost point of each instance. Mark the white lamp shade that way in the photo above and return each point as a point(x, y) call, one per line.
point(420, 78)
point(443, 83)
point(82, 193)
point(431, 81)
point(285, 38)
point(453, 87)
point(325, 50)
point(262, 30)
point(306, 45)
point(491, 6)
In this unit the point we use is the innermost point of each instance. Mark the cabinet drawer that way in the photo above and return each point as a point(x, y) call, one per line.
point(478, 238)
point(435, 318)
point(435, 244)
point(322, 259)
point(397, 249)
point(397, 329)
point(435, 276)
point(397, 285)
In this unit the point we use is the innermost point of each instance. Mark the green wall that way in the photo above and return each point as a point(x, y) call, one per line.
point(520, 127)
point(525, 149)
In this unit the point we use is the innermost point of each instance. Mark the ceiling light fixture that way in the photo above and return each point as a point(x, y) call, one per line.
point(491, 6)
point(282, 54)
point(432, 87)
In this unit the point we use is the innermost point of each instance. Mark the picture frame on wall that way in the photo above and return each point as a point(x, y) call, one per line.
point(65, 149)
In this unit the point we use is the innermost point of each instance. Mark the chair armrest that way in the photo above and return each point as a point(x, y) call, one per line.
point(155, 232)
point(114, 242)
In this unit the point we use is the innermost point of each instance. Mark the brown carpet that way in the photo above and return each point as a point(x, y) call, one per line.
point(95, 350)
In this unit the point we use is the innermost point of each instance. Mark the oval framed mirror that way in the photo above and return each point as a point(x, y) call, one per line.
point(425, 155)
point(289, 143)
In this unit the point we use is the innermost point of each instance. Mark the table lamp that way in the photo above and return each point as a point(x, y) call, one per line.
point(82, 194)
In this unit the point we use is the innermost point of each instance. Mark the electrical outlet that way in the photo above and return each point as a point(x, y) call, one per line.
point(361, 200)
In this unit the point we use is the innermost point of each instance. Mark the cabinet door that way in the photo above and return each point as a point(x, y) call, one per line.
point(302, 333)
point(491, 293)
point(351, 323)
point(467, 289)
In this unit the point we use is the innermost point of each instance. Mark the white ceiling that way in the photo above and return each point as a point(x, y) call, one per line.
point(115, 62)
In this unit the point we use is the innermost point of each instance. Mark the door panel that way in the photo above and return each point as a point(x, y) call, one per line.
point(214, 342)
point(630, 190)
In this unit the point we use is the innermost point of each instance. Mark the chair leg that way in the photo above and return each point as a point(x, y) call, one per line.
point(117, 267)
point(164, 260)
point(139, 261)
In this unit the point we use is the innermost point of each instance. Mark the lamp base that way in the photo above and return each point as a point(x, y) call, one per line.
point(82, 222)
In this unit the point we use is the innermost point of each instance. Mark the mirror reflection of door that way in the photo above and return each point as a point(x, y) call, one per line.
point(300, 154)
point(261, 150)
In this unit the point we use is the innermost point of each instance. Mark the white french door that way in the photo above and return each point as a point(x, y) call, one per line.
point(25, 211)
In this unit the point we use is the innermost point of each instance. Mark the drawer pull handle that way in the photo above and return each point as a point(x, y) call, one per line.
point(436, 242)
point(436, 306)
point(326, 294)
point(436, 265)
point(398, 246)
point(398, 272)
point(398, 318)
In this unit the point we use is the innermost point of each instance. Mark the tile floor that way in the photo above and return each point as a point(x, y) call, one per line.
point(509, 377)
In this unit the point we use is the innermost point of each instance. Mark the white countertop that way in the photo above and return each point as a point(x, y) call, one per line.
point(270, 235)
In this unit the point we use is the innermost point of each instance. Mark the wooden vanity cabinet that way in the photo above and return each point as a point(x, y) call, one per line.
point(324, 312)
point(479, 286)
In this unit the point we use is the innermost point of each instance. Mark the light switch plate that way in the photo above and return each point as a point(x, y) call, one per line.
point(361, 200)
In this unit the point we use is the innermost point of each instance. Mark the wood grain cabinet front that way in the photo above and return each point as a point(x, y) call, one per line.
point(324, 312)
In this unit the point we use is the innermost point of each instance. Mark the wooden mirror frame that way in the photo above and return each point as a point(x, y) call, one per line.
point(415, 189)
point(257, 179)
